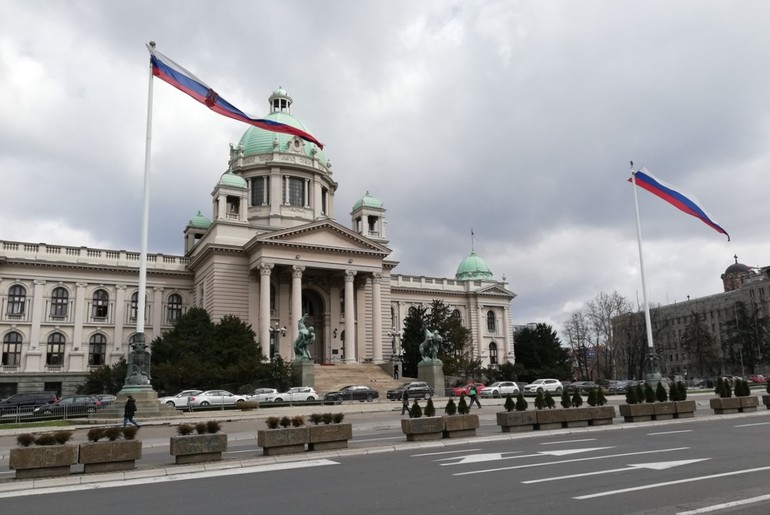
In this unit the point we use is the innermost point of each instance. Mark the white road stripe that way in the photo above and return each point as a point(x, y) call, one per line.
point(669, 483)
point(670, 432)
point(444, 452)
point(727, 505)
point(757, 424)
point(569, 441)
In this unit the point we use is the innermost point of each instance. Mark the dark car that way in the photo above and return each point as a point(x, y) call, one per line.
point(26, 401)
point(416, 389)
point(582, 386)
point(70, 406)
point(353, 393)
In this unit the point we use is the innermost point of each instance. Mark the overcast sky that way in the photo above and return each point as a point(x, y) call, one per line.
point(516, 119)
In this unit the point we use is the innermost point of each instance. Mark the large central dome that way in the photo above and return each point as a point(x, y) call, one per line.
point(257, 141)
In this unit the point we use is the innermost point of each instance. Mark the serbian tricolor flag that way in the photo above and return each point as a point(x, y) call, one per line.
point(679, 199)
point(169, 71)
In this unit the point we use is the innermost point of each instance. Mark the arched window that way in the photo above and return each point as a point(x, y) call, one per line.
point(17, 299)
point(100, 305)
point(59, 302)
point(97, 350)
point(493, 353)
point(457, 315)
point(55, 352)
point(491, 322)
point(174, 307)
point(12, 349)
point(134, 307)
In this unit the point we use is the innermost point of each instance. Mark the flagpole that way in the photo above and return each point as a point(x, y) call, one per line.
point(654, 373)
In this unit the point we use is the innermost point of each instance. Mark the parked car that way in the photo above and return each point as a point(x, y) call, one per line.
point(106, 398)
point(215, 398)
point(29, 400)
point(459, 391)
point(264, 394)
point(297, 394)
point(583, 387)
point(353, 393)
point(416, 389)
point(500, 389)
point(544, 385)
point(179, 400)
point(619, 387)
point(70, 406)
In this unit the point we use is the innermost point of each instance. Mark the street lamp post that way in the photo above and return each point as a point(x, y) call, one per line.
point(275, 333)
point(395, 342)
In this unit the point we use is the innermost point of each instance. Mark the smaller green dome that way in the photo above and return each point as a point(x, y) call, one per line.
point(200, 222)
point(473, 267)
point(232, 180)
point(368, 201)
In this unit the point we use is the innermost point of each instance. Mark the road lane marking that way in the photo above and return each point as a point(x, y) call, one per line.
point(494, 456)
point(568, 441)
point(670, 432)
point(755, 424)
point(660, 465)
point(443, 452)
point(171, 477)
point(561, 462)
point(727, 505)
point(669, 483)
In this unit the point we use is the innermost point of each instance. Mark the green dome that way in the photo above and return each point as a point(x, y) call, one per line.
point(257, 141)
point(473, 267)
point(232, 180)
point(200, 222)
point(368, 201)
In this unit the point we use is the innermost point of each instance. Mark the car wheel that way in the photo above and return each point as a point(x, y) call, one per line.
point(205, 403)
point(558, 391)
point(238, 402)
point(278, 399)
point(170, 404)
point(369, 398)
point(426, 396)
point(496, 395)
point(311, 398)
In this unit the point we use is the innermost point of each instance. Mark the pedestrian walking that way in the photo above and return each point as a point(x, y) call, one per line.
point(128, 411)
point(473, 396)
point(404, 402)
point(395, 371)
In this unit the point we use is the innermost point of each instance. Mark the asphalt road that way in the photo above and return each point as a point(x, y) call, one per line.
point(685, 467)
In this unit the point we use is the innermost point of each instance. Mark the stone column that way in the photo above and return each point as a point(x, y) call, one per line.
point(119, 311)
point(377, 318)
point(157, 315)
point(296, 300)
point(37, 313)
point(508, 335)
point(264, 305)
point(80, 313)
point(350, 326)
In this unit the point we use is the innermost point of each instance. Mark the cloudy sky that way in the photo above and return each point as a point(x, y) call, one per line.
point(516, 119)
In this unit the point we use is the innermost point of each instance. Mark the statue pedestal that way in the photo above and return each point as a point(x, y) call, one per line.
point(147, 405)
point(432, 373)
point(306, 372)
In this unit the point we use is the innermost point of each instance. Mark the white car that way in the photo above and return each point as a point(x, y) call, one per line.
point(500, 389)
point(296, 394)
point(179, 400)
point(544, 385)
point(216, 398)
point(264, 395)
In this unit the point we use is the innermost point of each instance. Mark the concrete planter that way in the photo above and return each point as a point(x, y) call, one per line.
point(749, 403)
point(549, 419)
point(198, 448)
point(726, 405)
point(602, 415)
point(637, 412)
point(109, 456)
point(577, 417)
point(331, 436)
point(684, 409)
point(460, 426)
point(664, 410)
point(516, 421)
point(421, 429)
point(283, 440)
point(42, 461)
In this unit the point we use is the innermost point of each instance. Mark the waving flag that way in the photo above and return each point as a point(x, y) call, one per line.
point(679, 199)
point(169, 71)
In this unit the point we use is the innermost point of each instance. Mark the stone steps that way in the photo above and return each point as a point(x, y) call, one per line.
point(330, 378)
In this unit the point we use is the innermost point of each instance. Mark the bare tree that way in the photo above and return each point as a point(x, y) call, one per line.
point(600, 312)
point(576, 331)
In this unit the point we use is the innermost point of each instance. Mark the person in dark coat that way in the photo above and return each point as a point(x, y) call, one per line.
point(128, 411)
point(404, 402)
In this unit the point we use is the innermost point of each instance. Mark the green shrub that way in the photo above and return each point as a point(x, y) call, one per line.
point(660, 392)
point(184, 429)
point(577, 399)
point(450, 408)
point(430, 410)
point(246, 389)
point(521, 402)
point(462, 407)
point(601, 399)
point(682, 391)
point(726, 391)
point(509, 404)
point(299, 420)
point(415, 411)
point(129, 432)
point(95, 434)
point(565, 400)
point(62, 437)
point(593, 396)
point(113, 433)
point(285, 421)
point(718, 386)
point(326, 418)
point(337, 418)
point(25, 439)
point(549, 402)
point(649, 393)
point(45, 439)
point(272, 422)
point(539, 400)
point(640, 392)
point(316, 418)
point(201, 428)
point(631, 397)
point(213, 426)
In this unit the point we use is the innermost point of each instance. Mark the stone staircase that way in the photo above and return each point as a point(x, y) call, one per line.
point(330, 378)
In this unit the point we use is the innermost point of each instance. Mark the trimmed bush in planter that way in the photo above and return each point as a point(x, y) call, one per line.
point(111, 455)
point(283, 439)
point(206, 445)
point(328, 436)
point(50, 456)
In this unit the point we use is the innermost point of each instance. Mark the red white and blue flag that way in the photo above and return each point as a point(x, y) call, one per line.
point(679, 199)
point(169, 71)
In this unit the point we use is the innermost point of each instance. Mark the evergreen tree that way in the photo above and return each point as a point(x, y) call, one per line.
point(565, 400)
point(549, 401)
point(540, 352)
point(451, 407)
point(522, 404)
point(593, 396)
point(577, 399)
point(105, 379)
point(510, 404)
point(700, 345)
point(430, 410)
point(660, 393)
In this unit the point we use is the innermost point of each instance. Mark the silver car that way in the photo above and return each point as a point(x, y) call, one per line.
point(296, 394)
point(216, 398)
point(544, 385)
point(500, 389)
point(264, 394)
point(179, 400)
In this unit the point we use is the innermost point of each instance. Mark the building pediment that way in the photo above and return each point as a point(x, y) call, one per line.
point(495, 290)
point(320, 235)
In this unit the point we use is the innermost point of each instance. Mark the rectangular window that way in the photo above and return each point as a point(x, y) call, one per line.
point(259, 191)
point(296, 195)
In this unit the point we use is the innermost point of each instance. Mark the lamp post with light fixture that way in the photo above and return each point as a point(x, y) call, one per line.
point(275, 333)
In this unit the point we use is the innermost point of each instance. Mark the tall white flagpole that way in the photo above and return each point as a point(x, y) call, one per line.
point(647, 320)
